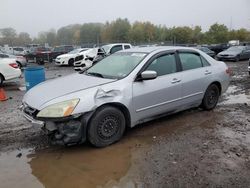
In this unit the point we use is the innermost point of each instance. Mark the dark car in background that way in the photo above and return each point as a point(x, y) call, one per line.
point(206, 50)
point(234, 53)
point(43, 54)
point(59, 50)
point(217, 48)
point(38, 54)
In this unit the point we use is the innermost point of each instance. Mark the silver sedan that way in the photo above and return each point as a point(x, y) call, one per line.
point(123, 90)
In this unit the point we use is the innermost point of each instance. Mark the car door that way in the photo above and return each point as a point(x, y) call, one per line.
point(159, 95)
point(246, 52)
point(196, 74)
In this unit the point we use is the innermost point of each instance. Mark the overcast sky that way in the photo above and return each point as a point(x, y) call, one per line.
point(33, 16)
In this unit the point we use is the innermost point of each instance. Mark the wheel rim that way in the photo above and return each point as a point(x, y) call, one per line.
point(108, 127)
point(212, 97)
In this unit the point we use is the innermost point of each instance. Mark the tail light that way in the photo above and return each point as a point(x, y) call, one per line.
point(14, 65)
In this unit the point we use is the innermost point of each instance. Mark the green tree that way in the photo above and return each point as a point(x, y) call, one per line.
point(51, 38)
point(90, 33)
point(182, 35)
point(218, 33)
point(23, 38)
point(116, 31)
point(8, 35)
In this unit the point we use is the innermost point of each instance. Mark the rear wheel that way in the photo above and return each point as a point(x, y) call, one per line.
point(106, 127)
point(1, 80)
point(211, 97)
point(19, 65)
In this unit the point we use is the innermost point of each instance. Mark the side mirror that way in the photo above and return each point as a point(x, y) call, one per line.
point(147, 75)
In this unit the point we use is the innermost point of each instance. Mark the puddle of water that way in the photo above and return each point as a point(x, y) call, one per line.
point(85, 166)
point(16, 172)
point(238, 99)
point(78, 166)
point(81, 166)
point(235, 95)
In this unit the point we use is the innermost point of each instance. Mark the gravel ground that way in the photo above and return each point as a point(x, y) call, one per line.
point(194, 148)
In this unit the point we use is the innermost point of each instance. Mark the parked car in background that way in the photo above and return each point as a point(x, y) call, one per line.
point(234, 53)
point(249, 66)
point(112, 48)
point(38, 54)
point(206, 50)
point(20, 60)
point(87, 58)
point(69, 58)
point(217, 48)
point(123, 90)
point(59, 50)
point(14, 50)
point(9, 70)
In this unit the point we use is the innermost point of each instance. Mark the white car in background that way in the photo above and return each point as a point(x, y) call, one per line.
point(20, 60)
point(112, 48)
point(87, 58)
point(9, 70)
point(69, 58)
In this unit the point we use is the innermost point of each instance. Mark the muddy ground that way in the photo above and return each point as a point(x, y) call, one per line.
point(194, 148)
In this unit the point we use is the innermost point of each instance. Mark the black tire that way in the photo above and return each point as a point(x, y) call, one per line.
point(19, 65)
point(237, 59)
point(1, 79)
point(106, 126)
point(211, 97)
point(71, 62)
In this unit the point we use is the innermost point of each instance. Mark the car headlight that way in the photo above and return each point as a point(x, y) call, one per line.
point(62, 109)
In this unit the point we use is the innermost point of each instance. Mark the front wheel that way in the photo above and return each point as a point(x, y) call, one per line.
point(106, 126)
point(71, 62)
point(211, 97)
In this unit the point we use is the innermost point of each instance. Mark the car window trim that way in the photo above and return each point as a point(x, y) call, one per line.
point(151, 59)
point(191, 52)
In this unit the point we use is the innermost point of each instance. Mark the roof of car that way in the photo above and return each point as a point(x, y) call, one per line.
point(157, 48)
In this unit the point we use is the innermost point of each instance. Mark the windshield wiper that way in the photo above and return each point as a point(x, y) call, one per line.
point(95, 74)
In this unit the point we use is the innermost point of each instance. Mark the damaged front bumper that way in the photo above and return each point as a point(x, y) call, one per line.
point(62, 131)
point(30, 118)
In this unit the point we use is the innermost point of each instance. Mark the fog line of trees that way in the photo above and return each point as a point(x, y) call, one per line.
point(121, 30)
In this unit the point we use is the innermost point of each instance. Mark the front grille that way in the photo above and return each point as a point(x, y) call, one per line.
point(30, 111)
point(79, 58)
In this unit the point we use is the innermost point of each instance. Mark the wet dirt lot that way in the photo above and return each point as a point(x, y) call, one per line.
point(194, 148)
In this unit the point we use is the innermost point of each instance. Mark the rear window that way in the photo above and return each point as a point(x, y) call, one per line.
point(190, 61)
point(127, 47)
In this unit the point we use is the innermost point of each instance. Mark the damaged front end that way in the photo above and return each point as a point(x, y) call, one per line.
point(63, 131)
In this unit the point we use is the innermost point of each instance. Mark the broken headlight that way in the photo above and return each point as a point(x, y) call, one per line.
point(62, 109)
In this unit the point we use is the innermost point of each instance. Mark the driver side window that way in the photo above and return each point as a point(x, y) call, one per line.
point(163, 65)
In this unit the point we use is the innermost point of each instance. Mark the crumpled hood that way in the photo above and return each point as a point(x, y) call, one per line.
point(58, 87)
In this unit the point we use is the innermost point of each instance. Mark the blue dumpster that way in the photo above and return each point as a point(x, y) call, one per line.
point(33, 76)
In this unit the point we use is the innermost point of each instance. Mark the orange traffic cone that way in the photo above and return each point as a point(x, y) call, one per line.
point(3, 96)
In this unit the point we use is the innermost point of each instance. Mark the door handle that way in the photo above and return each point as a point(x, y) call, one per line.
point(175, 80)
point(207, 72)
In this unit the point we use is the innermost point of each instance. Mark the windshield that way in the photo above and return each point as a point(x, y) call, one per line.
point(235, 48)
point(204, 49)
point(116, 66)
